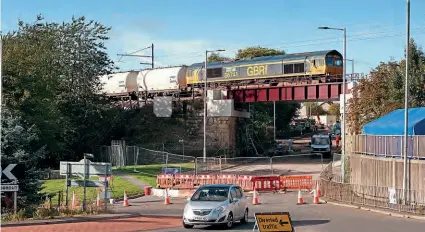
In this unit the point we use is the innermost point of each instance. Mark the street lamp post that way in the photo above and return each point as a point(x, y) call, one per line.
point(205, 101)
point(343, 96)
point(406, 103)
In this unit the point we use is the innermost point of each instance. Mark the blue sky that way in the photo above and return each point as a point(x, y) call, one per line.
point(182, 30)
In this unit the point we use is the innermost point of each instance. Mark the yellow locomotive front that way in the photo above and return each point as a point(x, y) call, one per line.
point(334, 65)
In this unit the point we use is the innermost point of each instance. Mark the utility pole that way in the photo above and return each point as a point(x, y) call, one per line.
point(274, 120)
point(142, 56)
point(406, 103)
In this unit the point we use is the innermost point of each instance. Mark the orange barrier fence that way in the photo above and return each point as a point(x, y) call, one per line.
point(296, 182)
point(262, 183)
point(266, 183)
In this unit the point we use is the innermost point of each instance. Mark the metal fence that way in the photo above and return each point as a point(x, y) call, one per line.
point(373, 188)
point(389, 146)
point(375, 196)
point(121, 156)
point(300, 164)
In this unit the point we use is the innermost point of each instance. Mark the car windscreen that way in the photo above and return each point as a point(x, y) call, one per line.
point(211, 194)
point(320, 141)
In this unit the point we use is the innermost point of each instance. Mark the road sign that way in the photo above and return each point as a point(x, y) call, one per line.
point(77, 168)
point(9, 188)
point(170, 170)
point(89, 183)
point(11, 172)
point(273, 222)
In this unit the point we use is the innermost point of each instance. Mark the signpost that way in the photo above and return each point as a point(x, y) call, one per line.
point(85, 168)
point(10, 175)
point(273, 222)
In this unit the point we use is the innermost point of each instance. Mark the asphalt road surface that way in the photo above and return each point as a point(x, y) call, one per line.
point(307, 217)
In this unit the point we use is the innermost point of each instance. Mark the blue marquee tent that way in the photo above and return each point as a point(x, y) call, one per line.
point(393, 123)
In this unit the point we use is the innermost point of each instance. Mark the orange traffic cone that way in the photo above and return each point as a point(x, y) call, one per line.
point(255, 198)
point(315, 197)
point(167, 198)
point(74, 200)
point(125, 203)
point(98, 200)
point(300, 198)
point(319, 193)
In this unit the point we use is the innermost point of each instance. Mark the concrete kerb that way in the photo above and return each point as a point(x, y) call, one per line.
point(88, 218)
point(389, 213)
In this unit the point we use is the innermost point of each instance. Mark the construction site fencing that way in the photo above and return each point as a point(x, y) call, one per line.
point(247, 182)
point(389, 146)
point(122, 156)
point(259, 166)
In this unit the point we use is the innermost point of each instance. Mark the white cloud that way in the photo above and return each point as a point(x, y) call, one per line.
point(167, 50)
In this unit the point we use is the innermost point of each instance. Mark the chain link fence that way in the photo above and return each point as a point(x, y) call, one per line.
point(300, 164)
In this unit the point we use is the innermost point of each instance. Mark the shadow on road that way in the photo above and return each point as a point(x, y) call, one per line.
point(309, 222)
point(236, 227)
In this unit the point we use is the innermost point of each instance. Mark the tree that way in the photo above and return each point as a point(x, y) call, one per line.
point(334, 110)
point(19, 145)
point(383, 92)
point(51, 77)
point(313, 109)
point(251, 52)
point(214, 57)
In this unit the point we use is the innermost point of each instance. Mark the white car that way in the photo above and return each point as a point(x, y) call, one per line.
point(217, 204)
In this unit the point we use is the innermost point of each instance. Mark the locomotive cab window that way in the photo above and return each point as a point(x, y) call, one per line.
point(329, 61)
point(338, 62)
point(214, 72)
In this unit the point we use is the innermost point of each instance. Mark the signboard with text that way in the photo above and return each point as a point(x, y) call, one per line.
point(273, 222)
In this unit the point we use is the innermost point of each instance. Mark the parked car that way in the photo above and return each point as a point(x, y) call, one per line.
point(216, 204)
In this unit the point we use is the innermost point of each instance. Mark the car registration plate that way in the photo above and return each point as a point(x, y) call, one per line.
point(200, 218)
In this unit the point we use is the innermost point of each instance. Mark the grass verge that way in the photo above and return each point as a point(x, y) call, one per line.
point(117, 188)
point(147, 173)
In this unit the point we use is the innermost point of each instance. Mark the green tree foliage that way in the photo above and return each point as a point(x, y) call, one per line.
point(313, 109)
point(384, 91)
point(214, 57)
point(251, 52)
point(51, 80)
point(19, 144)
point(334, 110)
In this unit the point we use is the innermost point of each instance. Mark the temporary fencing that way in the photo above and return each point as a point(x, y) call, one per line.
point(261, 183)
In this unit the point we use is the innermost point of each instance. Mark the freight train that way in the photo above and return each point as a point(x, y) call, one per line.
point(323, 66)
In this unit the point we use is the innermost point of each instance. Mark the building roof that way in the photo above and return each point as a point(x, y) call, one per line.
point(393, 123)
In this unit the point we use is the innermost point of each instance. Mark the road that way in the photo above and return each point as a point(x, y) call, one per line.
point(306, 218)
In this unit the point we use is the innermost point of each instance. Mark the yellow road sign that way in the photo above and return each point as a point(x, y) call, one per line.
point(274, 222)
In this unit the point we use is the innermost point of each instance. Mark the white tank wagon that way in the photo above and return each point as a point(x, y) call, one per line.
point(120, 84)
point(162, 81)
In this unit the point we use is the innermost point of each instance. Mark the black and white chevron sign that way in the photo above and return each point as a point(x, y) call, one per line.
point(12, 172)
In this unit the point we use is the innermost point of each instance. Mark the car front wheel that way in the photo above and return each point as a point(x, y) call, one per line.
point(229, 223)
point(244, 220)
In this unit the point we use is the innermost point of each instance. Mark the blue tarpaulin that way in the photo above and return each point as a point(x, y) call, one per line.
point(393, 123)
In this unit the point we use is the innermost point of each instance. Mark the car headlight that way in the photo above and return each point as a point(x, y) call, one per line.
point(186, 209)
point(219, 210)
